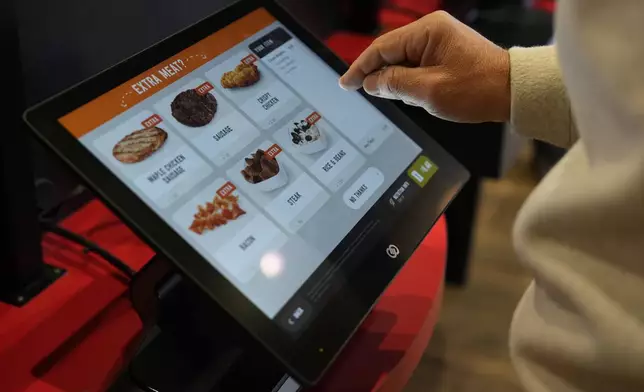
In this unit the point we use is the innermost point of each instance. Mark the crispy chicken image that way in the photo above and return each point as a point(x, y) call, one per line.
point(243, 75)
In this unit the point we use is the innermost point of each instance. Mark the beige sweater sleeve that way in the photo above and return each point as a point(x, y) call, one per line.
point(540, 105)
point(580, 325)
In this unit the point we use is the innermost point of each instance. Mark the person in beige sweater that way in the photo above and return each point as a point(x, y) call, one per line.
point(580, 325)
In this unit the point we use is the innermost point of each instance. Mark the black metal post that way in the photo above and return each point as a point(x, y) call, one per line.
point(22, 271)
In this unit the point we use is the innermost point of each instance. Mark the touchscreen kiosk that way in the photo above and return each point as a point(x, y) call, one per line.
point(231, 149)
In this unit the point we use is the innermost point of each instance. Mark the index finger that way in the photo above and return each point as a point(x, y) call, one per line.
point(388, 49)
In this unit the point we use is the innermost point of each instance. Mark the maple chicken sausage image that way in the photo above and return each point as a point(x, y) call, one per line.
point(139, 145)
point(264, 172)
point(243, 75)
point(216, 213)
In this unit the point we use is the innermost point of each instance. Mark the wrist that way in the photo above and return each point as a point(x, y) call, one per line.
point(502, 99)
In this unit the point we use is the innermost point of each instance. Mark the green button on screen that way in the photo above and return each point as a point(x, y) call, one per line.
point(422, 170)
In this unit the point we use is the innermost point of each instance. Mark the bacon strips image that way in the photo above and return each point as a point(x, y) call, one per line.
point(218, 212)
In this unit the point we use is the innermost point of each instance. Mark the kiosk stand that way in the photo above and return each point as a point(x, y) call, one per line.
point(190, 344)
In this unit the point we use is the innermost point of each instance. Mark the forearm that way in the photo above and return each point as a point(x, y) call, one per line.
point(540, 108)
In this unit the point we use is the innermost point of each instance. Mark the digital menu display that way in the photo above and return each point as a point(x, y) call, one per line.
point(247, 147)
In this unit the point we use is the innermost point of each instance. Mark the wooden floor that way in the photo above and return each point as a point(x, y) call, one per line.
point(469, 349)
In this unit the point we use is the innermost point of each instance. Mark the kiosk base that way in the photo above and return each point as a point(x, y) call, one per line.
point(191, 344)
point(22, 295)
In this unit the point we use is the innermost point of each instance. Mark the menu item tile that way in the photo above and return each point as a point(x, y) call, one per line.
point(194, 109)
point(314, 143)
point(254, 88)
point(139, 145)
point(223, 137)
point(363, 188)
point(232, 231)
point(275, 182)
point(155, 159)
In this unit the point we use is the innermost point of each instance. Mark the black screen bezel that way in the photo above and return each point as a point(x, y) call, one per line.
point(329, 332)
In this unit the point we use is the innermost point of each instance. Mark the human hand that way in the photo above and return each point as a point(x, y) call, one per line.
point(439, 64)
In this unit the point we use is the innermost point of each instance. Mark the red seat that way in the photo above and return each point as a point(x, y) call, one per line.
point(546, 5)
point(422, 7)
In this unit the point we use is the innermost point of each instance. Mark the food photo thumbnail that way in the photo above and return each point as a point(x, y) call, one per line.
point(139, 145)
point(307, 137)
point(193, 109)
point(216, 213)
point(243, 75)
point(264, 171)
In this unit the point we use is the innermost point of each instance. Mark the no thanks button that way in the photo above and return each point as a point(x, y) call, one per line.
point(363, 188)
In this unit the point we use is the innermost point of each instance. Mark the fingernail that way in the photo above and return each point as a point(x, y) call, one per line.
point(374, 92)
point(370, 86)
point(348, 84)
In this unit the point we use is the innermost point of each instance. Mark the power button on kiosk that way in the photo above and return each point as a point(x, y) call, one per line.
point(393, 251)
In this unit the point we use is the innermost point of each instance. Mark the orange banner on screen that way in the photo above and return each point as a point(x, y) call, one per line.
point(102, 109)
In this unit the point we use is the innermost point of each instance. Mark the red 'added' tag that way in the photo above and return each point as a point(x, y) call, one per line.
point(273, 151)
point(151, 121)
point(313, 118)
point(226, 189)
point(250, 59)
point(203, 89)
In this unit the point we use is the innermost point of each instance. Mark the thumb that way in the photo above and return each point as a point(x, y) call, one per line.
point(398, 82)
